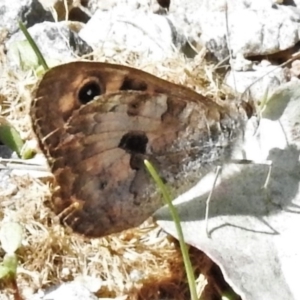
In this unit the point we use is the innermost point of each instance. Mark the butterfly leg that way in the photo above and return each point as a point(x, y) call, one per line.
point(265, 163)
point(268, 163)
point(266, 184)
point(239, 161)
point(218, 170)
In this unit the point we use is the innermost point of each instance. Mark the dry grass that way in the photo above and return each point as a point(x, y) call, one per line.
point(141, 263)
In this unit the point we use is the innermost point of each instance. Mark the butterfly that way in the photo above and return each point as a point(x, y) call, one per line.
point(96, 123)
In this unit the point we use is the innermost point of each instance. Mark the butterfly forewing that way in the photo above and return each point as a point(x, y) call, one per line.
point(96, 149)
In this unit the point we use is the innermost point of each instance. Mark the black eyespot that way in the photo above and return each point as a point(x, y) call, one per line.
point(131, 84)
point(134, 105)
point(134, 142)
point(88, 92)
point(102, 185)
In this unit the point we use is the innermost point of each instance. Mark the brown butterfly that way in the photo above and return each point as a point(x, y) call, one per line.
point(97, 123)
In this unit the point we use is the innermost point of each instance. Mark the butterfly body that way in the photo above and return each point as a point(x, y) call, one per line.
point(97, 122)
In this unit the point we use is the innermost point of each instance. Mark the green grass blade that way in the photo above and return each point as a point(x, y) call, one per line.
point(174, 214)
point(34, 46)
point(10, 137)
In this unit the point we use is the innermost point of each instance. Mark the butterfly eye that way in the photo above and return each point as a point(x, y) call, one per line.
point(88, 92)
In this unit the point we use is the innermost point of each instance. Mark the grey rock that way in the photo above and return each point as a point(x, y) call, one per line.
point(125, 5)
point(294, 2)
point(256, 27)
point(265, 31)
point(253, 27)
point(5, 152)
point(29, 12)
point(8, 186)
point(56, 41)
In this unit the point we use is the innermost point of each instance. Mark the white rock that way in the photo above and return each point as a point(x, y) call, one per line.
point(262, 80)
point(70, 291)
point(137, 32)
